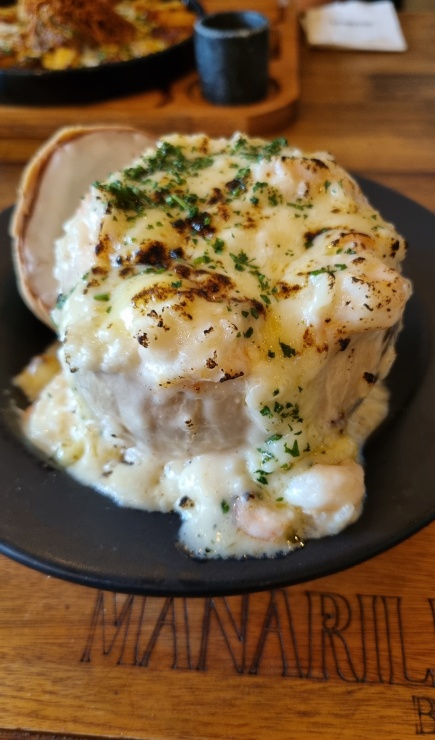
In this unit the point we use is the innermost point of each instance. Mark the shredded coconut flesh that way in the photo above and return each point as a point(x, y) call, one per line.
point(227, 313)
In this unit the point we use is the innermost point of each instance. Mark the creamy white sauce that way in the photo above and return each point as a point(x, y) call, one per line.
point(223, 343)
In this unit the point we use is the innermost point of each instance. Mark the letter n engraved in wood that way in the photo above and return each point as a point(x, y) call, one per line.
point(224, 629)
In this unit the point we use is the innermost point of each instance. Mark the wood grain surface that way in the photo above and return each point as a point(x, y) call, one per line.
point(347, 656)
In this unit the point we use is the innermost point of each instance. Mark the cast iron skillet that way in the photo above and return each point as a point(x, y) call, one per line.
point(52, 523)
point(91, 84)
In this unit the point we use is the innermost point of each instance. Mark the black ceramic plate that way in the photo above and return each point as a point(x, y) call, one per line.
point(89, 84)
point(51, 523)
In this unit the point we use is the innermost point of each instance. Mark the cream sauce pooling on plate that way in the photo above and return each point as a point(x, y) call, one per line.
point(227, 312)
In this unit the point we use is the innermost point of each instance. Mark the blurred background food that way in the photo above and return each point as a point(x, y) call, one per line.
point(68, 34)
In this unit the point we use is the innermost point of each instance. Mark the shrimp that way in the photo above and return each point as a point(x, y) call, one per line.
point(265, 521)
point(333, 493)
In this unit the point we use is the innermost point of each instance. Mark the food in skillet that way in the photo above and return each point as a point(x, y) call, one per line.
point(69, 34)
point(226, 312)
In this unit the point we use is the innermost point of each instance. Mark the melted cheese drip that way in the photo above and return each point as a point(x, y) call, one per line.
point(227, 313)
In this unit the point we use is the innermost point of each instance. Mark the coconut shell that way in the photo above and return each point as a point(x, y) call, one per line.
point(49, 192)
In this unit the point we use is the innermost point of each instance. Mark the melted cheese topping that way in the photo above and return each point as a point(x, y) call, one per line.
point(227, 312)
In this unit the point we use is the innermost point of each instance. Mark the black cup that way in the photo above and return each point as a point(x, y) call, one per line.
point(232, 54)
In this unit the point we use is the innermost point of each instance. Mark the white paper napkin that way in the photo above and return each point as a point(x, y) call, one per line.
point(369, 26)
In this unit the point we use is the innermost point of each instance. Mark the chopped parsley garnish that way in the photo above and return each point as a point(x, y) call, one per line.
point(218, 245)
point(175, 199)
point(203, 259)
point(266, 456)
point(294, 450)
point(225, 506)
point(259, 186)
point(262, 477)
point(102, 297)
point(257, 152)
point(274, 438)
point(274, 197)
point(171, 159)
point(287, 350)
point(126, 197)
point(300, 206)
point(265, 411)
point(61, 300)
point(329, 269)
point(241, 261)
point(274, 147)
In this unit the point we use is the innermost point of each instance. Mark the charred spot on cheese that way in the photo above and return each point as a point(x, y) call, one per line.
point(211, 286)
point(370, 378)
point(230, 376)
point(155, 253)
point(395, 246)
point(143, 340)
point(284, 290)
point(308, 337)
point(344, 343)
point(211, 362)
point(99, 270)
point(103, 246)
point(200, 224)
point(216, 196)
point(319, 163)
point(185, 502)
point(310, 236)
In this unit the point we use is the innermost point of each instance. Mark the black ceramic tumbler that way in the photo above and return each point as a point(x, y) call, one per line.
point(232, 54)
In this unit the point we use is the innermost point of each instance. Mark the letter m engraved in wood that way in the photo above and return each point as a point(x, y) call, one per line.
point(114, 638)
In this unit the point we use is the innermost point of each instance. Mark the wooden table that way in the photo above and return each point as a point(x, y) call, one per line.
point(347, 656)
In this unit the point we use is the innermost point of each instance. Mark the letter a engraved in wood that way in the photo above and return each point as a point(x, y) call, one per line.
point(278, 625)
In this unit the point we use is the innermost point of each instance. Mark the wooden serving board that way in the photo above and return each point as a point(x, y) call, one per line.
point(348, 656)
point(181, 107)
